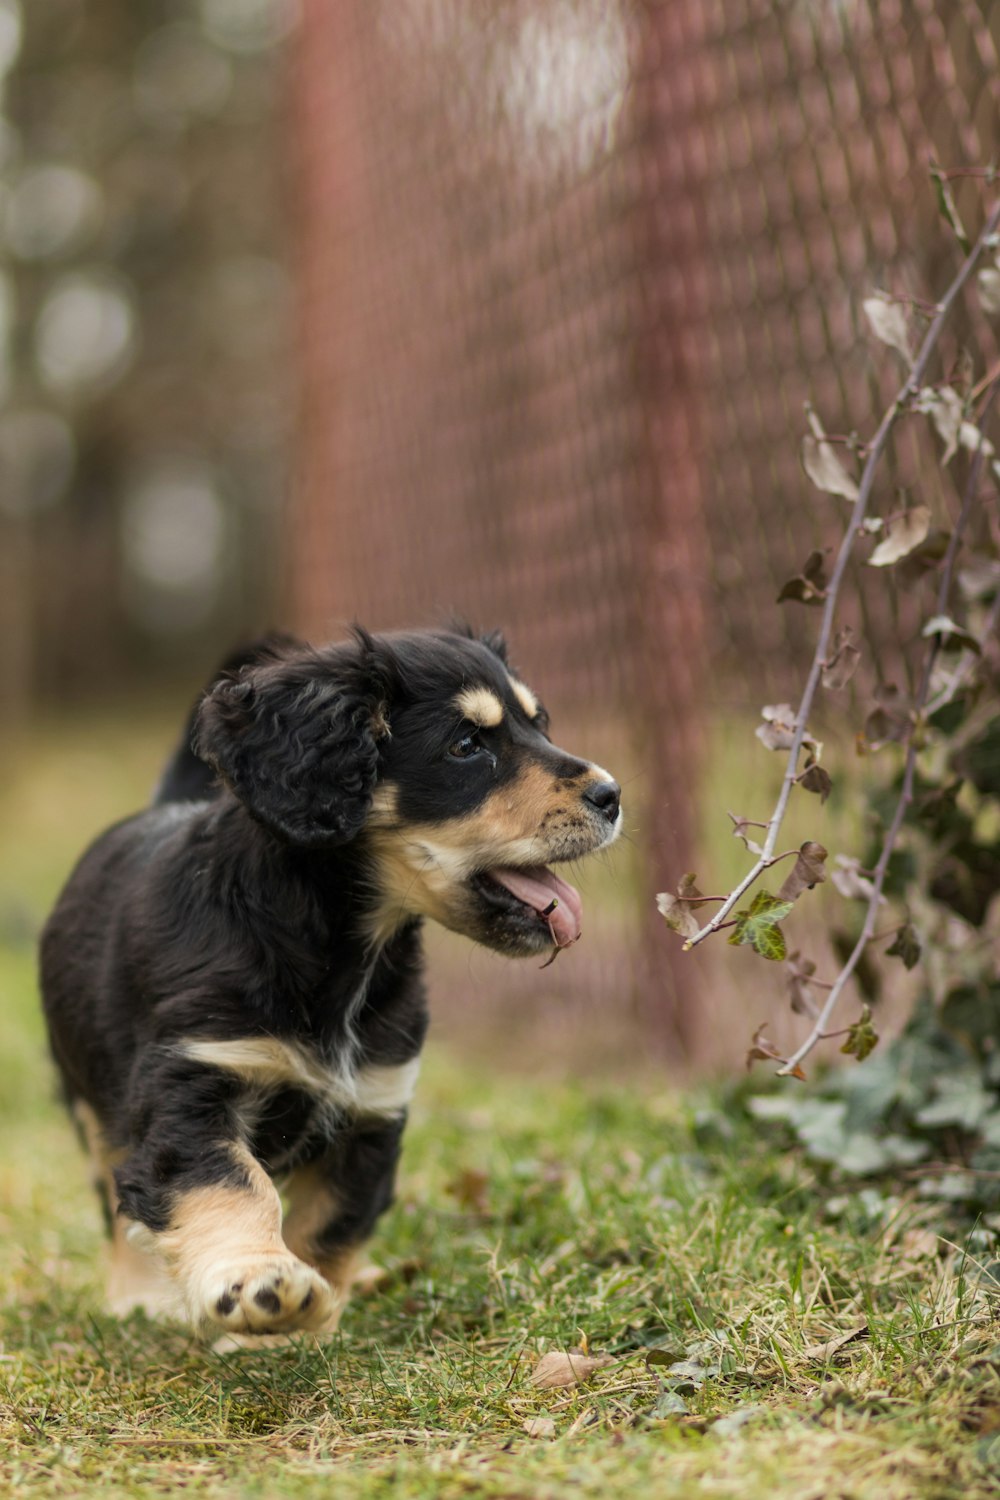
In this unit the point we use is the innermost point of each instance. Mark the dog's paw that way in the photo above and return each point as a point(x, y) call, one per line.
point(267, 1295)
point(242, 1343)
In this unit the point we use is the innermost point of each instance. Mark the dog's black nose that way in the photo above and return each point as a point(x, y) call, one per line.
point(606, 796)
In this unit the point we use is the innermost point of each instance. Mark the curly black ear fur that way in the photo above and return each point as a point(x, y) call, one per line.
point(296, 741)
point(493, 640)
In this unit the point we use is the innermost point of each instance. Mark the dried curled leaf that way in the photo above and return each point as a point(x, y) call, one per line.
point(892, 718)
point(778, 729)
point(888, 323)
point(809, 586)
point(799, 972)
point(678, 911)
point(945, 409)
point(740, 832)
point(815, 779)
point(904, 533)
point(924, 558)
point(807, 871)
point(841, 666)
point(905, 945)
point(980, 578)
point(566, 1367)
point(989, 290)
point(757, 924)
point(677, 914)
point(862, 1038)
point(951, 637)
point(824, 468)
point(763, 1050)
point(850, 880)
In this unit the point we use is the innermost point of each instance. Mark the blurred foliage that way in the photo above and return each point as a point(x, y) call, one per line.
point(932, 1096)
point(144, 316)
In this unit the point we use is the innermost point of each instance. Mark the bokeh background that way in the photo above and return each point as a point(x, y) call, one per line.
point(393, 309)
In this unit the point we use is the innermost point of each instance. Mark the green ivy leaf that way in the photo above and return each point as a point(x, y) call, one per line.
point(757, 925)
point(862, 1038)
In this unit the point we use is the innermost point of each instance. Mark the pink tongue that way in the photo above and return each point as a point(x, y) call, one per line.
point(538, 887)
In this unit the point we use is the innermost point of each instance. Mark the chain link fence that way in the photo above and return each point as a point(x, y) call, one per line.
point(527, 296)
point(569, 272)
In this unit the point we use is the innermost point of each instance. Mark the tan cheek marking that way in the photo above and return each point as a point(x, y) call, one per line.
point(525, 697)
point(514, 812)
point(480, 706)
point(419, 866)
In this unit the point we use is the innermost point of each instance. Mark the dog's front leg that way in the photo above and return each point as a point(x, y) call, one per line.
point(334, 1201)
point(222, 1243)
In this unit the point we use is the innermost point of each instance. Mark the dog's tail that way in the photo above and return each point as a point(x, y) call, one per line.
point(186, 777)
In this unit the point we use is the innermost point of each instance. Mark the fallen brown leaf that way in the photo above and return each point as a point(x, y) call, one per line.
point(825, 1351)
point(470, 1189)
point(370, 1279)
point(563, 1367)
point(539, 1427)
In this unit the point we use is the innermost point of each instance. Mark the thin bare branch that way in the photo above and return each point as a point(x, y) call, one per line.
point(868, 933)
point(909, 388)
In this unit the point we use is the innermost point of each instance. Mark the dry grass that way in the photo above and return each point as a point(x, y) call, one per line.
point(530, 1219)
point(533, 1216)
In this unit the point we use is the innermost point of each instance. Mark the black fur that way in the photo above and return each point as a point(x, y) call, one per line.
point(240, 906)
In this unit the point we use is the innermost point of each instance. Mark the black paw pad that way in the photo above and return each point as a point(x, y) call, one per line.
point(306, 1300)
point(225, 1305)
point(267, 1300)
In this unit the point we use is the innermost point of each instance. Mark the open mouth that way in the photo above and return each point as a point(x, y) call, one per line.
point(538, 894)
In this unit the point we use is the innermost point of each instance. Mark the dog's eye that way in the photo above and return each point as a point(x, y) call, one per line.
point(468, 745)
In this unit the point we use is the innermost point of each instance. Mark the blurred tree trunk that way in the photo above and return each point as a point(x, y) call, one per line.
point(672, 554)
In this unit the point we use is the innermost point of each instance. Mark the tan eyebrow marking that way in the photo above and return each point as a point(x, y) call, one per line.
point(480, 706)
point(525, 697)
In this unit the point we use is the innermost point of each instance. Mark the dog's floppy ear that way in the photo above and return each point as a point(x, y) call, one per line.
point(296, 741)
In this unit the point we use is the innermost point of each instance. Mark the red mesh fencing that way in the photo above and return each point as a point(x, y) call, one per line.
point(568, 271)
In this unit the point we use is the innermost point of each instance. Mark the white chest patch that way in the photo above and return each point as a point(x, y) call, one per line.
point(266, 1063)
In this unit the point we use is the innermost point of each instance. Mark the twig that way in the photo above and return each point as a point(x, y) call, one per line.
point(906, 792)
point(909, 388)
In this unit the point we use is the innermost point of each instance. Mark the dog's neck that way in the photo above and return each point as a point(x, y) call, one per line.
point(309, 914)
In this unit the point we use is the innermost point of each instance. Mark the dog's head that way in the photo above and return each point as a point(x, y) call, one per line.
point(429, 754)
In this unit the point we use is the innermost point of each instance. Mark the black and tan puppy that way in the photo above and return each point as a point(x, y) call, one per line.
point(232, 978)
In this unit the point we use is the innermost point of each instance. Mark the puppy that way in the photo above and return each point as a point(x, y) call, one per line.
point(232, 978)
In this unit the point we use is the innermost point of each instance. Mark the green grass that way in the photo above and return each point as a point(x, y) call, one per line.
point(532, 1217)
